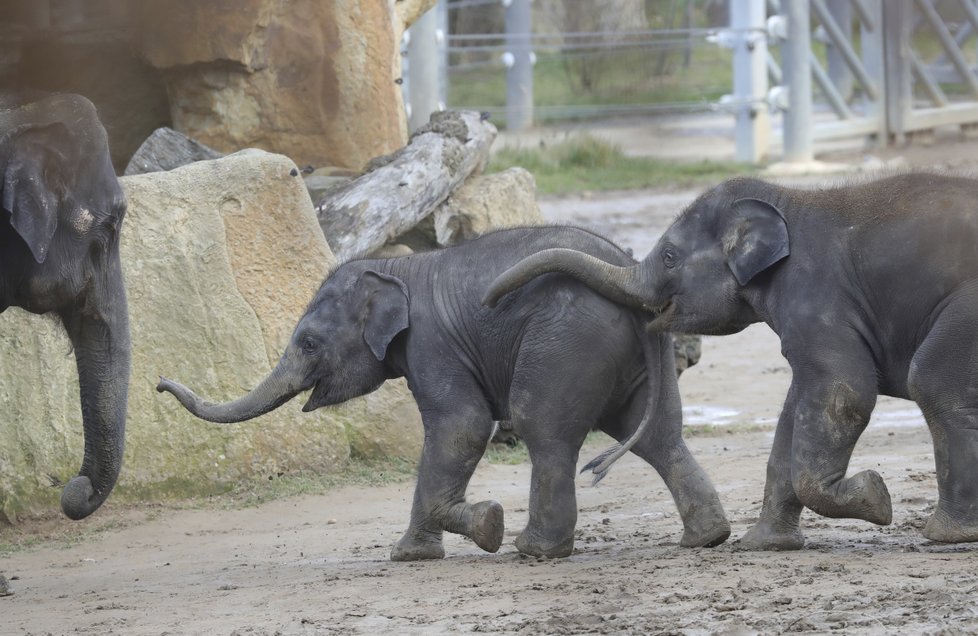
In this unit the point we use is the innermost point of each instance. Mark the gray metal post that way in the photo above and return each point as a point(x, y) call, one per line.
point(899, 91)
point(441, 38)
point(798, 124)
point(871, 41)
point(839, 73)
point(519, 74)
point(423, 69)
point(753, 123)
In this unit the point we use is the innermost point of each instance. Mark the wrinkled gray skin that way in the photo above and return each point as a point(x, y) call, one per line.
point(556, 359)
point(62, 208)
point(872, 288)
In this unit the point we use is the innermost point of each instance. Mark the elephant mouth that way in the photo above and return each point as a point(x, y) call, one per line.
point(318, 398)
point(662, 315)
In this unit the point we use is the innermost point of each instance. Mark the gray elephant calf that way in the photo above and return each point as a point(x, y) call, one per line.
point(872, 288)
point(556, 359)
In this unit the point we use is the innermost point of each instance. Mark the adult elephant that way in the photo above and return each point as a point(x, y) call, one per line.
point(420, 317)
point(872, 288)
point(59, 253)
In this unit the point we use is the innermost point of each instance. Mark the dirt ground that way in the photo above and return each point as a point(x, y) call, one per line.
point(319, 564)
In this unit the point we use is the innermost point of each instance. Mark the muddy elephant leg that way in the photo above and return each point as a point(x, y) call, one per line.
point(549, 532)
point(778, 526)
point(454, 443)
point(704, 522)
point(553, 434)
point(829, 405)
point(944, 382)
point(833, 409)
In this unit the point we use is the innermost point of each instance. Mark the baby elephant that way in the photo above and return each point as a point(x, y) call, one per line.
point(555, 358)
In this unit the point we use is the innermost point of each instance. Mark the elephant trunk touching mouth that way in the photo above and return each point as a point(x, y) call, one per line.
point(275, 390)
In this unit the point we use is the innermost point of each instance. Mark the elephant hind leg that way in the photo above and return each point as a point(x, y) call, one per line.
point(943, 380)
point(704, 522)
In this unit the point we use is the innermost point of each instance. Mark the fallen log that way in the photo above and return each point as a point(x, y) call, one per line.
point(401, 189)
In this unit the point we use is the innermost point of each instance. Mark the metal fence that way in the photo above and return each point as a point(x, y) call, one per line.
point(883, 69)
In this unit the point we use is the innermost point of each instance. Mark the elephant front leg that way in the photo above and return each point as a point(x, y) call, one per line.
point(827, 410)
point(778, 527)
point(453, 445)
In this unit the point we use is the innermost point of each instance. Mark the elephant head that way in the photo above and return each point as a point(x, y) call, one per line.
point(697, 277)
point(59, 253)
point(339, 349)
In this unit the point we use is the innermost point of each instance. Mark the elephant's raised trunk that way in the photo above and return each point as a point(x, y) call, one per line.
point(99, 333)
point(625, 285)
point(275, 390)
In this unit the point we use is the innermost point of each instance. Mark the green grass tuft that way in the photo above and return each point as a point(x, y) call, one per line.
point(585, 163)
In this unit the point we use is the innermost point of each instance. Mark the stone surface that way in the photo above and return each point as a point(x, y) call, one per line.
point(688, 348)
point(220, 258)
point(488, 202)
point(314, 80)
point(167, 149)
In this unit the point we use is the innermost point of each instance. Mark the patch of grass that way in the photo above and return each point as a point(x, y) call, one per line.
point(616, 78)
point(715, 430)
point(357, 472)
point(586, 163)
point(507, 455)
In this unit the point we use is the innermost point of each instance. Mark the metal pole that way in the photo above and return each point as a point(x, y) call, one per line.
point(899, 91)
point(871, 42)
point(838, 68)
point(519, 62)
point(441, 38)
point(753, 123)
point(798, 130)
point(423, 69)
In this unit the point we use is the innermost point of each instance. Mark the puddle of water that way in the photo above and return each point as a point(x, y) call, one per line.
point(904, 418)
point(716, 415)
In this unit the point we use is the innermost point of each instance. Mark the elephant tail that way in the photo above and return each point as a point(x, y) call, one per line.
point(601, 464)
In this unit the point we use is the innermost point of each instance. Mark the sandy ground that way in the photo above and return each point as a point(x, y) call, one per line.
point(319, 564)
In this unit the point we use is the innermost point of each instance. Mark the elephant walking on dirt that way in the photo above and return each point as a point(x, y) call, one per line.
point(872, 288)
point(62, 209)
point(556, 359)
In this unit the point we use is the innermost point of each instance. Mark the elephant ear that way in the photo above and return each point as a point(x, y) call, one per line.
point(756, 237)
point(31, 190)
point(387, 310)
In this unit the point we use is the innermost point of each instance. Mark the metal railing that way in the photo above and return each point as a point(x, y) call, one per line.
point(881, 69)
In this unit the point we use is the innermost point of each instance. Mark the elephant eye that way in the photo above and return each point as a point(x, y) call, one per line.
point(669, 257)
point(309, 346)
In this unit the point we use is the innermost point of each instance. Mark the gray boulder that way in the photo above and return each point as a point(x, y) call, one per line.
point(167, 149)
point(487, 202)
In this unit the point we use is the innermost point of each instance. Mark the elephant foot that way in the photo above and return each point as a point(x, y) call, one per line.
point(871, 500)
point(487, 525)
point(768, 536)
point(945, 528)
point(714, 535)
point(532, 545)
point(411, 548)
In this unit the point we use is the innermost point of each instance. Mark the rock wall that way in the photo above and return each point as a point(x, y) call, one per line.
point(221, 258)
point(313, 80)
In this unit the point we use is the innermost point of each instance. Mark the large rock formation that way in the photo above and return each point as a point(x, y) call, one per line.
point(221, 258)
point(314, 80)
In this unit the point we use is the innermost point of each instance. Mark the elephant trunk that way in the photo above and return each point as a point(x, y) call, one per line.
point(275, 390)
point(625, 285)
point(99, 333)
